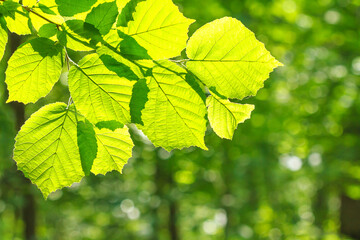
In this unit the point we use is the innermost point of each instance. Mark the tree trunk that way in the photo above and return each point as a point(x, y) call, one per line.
point(28, 209)
point(349, 217)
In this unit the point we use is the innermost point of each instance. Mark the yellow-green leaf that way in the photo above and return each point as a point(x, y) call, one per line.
point(224, 116)
point(33, 70)
point(100, 94)
point(228, 59)
point(114, 149)
point(46, 148)
point(159, 27)
point(174, 115)
point(3, 37)
point(16, 18)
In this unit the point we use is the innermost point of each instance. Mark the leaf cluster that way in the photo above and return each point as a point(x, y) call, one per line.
point(133, 72)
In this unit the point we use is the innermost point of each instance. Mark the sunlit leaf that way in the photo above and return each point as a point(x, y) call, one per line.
point(46, 148)
point(224, 116)
point(16, 18)
point(159, 27)
point(227, 58)
point(127, 9)
point(100, 94)
point(115, 148)
point(78, 35)
point(174, 115)
point(110, 51)
point(47, 9)
point(103, 17)
point(33, 70)
point(3, 37)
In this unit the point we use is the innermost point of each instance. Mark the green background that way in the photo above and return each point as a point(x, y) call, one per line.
point(289, 173)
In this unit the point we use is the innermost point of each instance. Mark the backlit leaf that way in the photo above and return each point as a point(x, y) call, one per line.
point(174, 115)
point(159, 27)
point(227, 58)
point(224, 116)
point(33, 70)
point(3, 37)
point(100, 94)
point(46, 148)
point(114, 149)
point(103, 16)
point(16, 18)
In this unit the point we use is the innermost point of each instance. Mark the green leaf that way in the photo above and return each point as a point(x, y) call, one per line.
point(33, 70)
point(103, 16)
point(109, 52)
point(100, 94)
point(16, 18)
point(115, 148)
point(138, 101)
point(48, 30)
point(79, 35)
point(174, 115)
point(131, 49)
point(224, 116)
point(112, 125)
point(87, 145)
point(69, 8)
point(46, 148)
point(8, 8)
point(118, 67)
point(228, 59)
point(3, 37)
point(127, 9)
point(48, 10)
point(159, 27)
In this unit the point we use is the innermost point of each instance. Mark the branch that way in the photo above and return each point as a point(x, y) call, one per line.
point(37, 14)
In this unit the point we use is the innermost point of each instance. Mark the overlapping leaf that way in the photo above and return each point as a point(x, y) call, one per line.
point(69, 8)
point(16, 17)
point(46, 148)
point(87, 144)
point(47, 10)
point(33, 70)
point(77, 35)
point(110, 49)
point(3, 37)
point(159, 27)
point(114, 149)
point(227, 58)
point(127, 9)
point(100, 94)
point(127, 80)
point(224, 116)
point(174, 115)
point(103, 16)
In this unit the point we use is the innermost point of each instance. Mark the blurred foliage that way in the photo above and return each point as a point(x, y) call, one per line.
point(281, 177)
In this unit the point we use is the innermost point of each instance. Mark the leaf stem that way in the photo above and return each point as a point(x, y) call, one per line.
point(69, 59)
point(69, 102)
point(39, 15)
point(179, 60)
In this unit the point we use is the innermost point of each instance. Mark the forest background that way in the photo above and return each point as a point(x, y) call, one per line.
point(291, 172)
